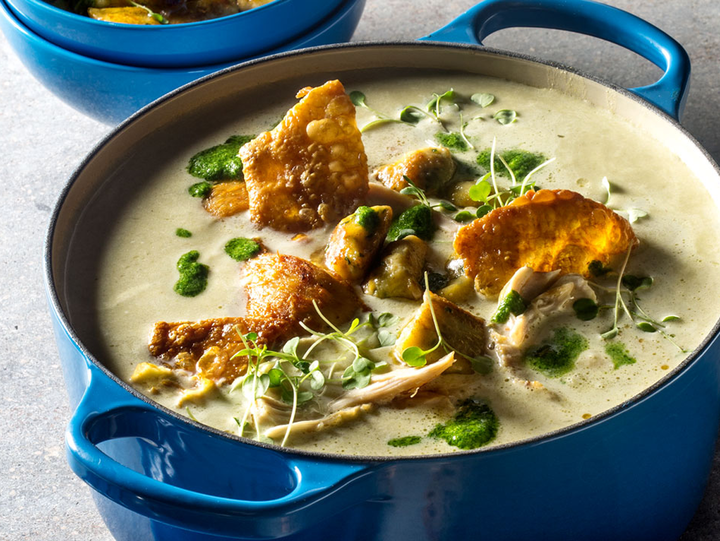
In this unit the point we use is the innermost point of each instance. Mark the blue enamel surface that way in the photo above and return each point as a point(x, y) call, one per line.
point(590, 18)
point(193, 44)
point(112, 92)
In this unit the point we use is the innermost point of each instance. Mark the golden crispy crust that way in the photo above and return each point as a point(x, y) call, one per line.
point(311, 169)
point(352, 248)
point(429, 169)
point(215, 341)
point(545, 230)
point(227, 199)
point(283, 287)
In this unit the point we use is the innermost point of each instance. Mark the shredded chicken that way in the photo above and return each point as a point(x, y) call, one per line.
point(384, 388)
point(315, 425)
point(511, 338)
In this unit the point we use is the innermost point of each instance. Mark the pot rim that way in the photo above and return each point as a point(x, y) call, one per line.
point(605, 415)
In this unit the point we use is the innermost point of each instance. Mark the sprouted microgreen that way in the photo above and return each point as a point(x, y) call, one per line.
point(634, 214)
point(297, 377)
point(629, 285)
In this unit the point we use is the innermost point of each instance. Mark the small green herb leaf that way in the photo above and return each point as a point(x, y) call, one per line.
point(464, 216)
point(386, 319)
point(646, 327)
point(480, 191)
point(669, 318)
point(446, 205)
point(483, 210)
point(482, 99)
point(411, 115)
point(637, 283)
point(505, 116)
point(597, 268)
point(414, 356)
point(357, 98)
point(386, 338)
point(586, 309)
point(635, 214)
point(184, 233)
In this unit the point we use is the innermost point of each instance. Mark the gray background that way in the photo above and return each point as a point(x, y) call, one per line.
point(41, 142)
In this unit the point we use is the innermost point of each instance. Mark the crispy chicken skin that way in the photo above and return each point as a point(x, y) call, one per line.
point(356, 240)
point(227, 199)
point(283, 287)
point(545, 230)
point(207, 346)
point(312, 168)
point(429, 169)
point(460, 330)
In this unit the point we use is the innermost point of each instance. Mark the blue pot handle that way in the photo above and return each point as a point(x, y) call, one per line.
point(102, 409)
point(592, 19)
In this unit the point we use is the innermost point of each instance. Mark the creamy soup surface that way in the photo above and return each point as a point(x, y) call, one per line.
point(587, 144)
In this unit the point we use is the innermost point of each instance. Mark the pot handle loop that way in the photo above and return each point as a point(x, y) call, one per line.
point(589, 18)
point(107, 411)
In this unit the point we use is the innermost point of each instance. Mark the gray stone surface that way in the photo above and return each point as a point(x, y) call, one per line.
point(42, 140)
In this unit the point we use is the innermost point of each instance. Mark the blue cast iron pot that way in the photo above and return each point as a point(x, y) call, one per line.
point(636, 472)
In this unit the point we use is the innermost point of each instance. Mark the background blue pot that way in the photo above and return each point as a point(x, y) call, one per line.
point(636, 472)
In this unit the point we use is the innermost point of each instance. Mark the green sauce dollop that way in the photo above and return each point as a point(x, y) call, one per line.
point(619, 354)
point(473, 426)
point(193, 275)
point(242, 249)
point(220, 162)
point(557, 355)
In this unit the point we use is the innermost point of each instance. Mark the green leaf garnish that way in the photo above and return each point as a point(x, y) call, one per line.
point(669, 318)
point(505, 116)
point(480, 191)
point(414, 356)
point(646, 327)
point(200, 189)
point(483, 210)
point(464, 216)
point(482, 99)
point(183, 233)
point(412, 115)
point(586, 309)
point(357, 98)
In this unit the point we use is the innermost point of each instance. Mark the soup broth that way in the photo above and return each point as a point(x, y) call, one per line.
point(595, 154)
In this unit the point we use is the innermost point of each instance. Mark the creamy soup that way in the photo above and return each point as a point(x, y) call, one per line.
point(593, 153)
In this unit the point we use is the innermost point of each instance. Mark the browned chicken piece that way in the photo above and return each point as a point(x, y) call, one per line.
point(460, 330)
point(356, 240)
point(546, 230)
point(207, 346)
point(227, 199)
point(429, 169)
point(283, 287)
point(400, 270)
point(311, 169)
point(126, 15)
